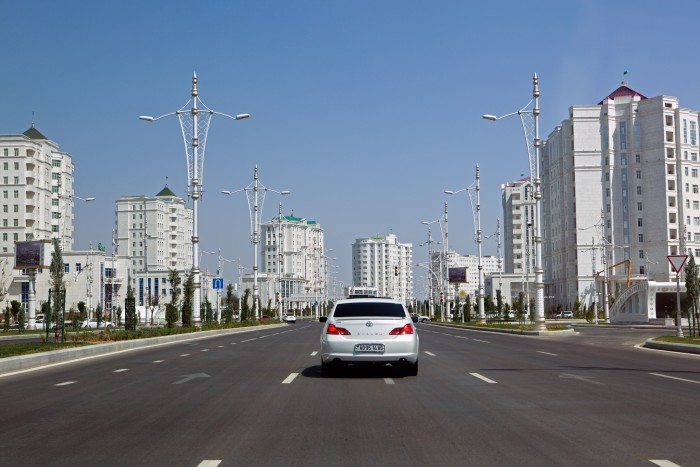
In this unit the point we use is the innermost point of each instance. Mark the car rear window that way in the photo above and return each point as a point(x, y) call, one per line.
point(385, 310)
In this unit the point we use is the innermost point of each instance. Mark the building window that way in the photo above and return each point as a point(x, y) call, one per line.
point(685, 131)
point(17, 152)
point(66, 267)
point(696, 205)
point(641, 254)
point(78, 267)
point(639, 206)
point(639, 174)
point(695, 189)
point(693, 133)
point(639, 190)
point(639, 222)
point(694, 156)
point(638, 158)
point(623, 135)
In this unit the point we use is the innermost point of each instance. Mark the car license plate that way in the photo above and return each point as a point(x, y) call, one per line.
point(369, 347)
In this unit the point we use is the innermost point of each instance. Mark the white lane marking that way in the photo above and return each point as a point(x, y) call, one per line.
point(205, 350)
point(234, 343)
point(548, 353)
point(588, 379)
point(676, 378)
point(663, 463)
point(462, 337)
point(120, 370)
point(220, 346)
point(290, 378)
point(209, 463)
point(485, 342)
point(158, 361)
point(483, 378)
point(248, 340)
point(314, 353)
point(388, 380)
point(430, 353)
point(185, 355)
point(66, 383)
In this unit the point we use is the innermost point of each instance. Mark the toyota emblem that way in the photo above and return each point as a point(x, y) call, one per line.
point(369, 324)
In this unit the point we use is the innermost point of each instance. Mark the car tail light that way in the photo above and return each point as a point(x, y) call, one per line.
point(333, 329)
point(405, 329)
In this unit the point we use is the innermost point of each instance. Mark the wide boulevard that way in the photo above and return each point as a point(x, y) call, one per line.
point(257, 398)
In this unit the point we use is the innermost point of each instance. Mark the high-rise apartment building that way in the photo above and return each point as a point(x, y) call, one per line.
point(37, 190)
point(384, 263)
point(620, 182)
point(518, 215)
point(155, 234)
point(294, 260)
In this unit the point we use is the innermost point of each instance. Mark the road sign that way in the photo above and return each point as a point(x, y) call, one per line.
point(677, 262)
point(217, 283)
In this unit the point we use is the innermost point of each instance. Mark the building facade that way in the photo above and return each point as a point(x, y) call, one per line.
point(384, 263)
point(294, 262)
point(518, 215)
point(620, 187)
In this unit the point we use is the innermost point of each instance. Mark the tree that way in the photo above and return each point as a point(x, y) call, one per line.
point(119, 315)
point(499, 305)
point(468, 308)
point(4, 280)
point(245, 308)
point(692, 286)
point(227, 314)
point(187, 294)
point(98, 314)
point(56, 272)
point(153, 305)
point(129, 309)
point(82, 310)
point(172, 314)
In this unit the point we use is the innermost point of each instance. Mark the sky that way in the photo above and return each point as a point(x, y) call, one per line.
point(366, 110)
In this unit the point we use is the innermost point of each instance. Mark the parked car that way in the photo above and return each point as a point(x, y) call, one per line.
point(565, 314)
point(289, 318)
point(92, 323)
point(374, 331)
point(421, 318)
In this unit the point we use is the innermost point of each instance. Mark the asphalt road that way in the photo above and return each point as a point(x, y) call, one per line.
point(258, 399)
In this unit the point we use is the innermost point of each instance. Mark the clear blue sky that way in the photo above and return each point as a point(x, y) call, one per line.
point(366, 110)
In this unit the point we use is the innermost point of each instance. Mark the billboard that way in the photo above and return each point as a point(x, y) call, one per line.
point(35, 254)
point(457, 275)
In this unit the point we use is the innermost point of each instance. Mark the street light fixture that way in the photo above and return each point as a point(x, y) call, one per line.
point(529, 118)
point(476, 214)
point(438, 281)
point(252, 194)
point(194, 124)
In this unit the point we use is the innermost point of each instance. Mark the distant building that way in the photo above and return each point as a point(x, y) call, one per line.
point(518, 215)
point(384, 263)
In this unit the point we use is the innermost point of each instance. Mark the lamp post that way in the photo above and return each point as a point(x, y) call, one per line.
point(500, 265)
point(438, 281)
point(253, 193)
point(476, 214)
point(529, 118)
point(430, 297)
point(194, 123)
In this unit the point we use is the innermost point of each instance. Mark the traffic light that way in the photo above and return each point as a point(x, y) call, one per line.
point(442, 297)
point(396, 270)
point(277, 297)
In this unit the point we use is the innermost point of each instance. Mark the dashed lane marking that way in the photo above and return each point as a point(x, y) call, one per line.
point(185, 355)
point(483, 378)
point(314, 353)
point(205, 350)
point(485, 342)
point(290, 378)
point(158, 361)
point(209, 463)
point(548, 353)
point(430, 353)
point(389, 380)
point(663, 463)
point(66, 383)
point(248, 340)
point(676, 378)
point(220, 346)
point(120, 370)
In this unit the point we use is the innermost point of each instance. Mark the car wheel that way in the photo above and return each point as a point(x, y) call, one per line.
point(423, 320)
point(411, 369)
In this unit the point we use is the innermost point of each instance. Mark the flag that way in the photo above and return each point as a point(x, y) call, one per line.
point(100, 247)
point(625, 73)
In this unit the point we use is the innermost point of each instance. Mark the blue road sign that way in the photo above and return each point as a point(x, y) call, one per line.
point(217, 283)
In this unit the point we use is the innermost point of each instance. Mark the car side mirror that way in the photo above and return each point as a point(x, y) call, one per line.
point(414, 318)
point(323, 319)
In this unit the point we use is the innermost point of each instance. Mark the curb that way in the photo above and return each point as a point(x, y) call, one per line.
point(27, 362)
point(685, 348)
point(567, 332)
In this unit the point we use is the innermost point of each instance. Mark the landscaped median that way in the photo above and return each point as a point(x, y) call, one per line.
point(511, 328)
point(675, 344)
point(90, 344)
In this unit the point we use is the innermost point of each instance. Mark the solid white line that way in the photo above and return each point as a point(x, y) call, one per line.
point(430, 353)
point(548, 353)
point(158, 361)
point(388, 380)
point(120, 370)
point(248, 340)
point(314, 353)
point(66, 383)
point(483, 378)
point(185, 355)
point(209, 463)
point(663, 463)
point(676, 378)
point(485, 342)
point(290, 378)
